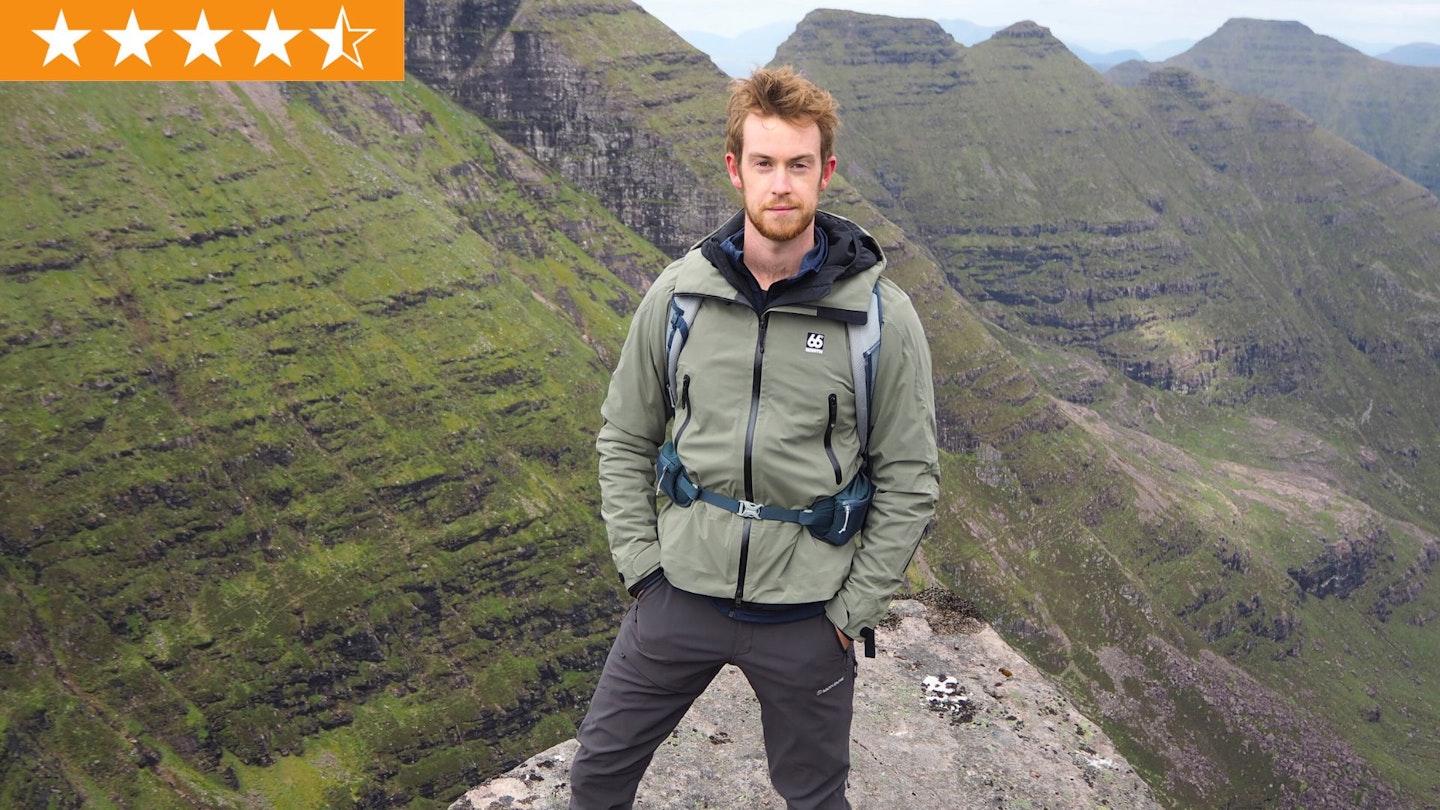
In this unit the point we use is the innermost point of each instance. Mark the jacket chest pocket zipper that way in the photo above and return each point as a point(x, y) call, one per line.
point(829, 437)
point(685, 405)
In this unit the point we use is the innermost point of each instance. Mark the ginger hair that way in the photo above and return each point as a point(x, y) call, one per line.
point(785, 94)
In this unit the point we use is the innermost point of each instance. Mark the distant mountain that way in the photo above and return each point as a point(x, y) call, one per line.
point(1104, 61)
point(1103, 58)
point(1391, 111)
point(1166, 49)
point(968, 33)
point(1132, 73)
point(1419, 54)
point(742, 53)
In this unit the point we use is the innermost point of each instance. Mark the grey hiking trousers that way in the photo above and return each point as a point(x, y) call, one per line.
point(670, 646)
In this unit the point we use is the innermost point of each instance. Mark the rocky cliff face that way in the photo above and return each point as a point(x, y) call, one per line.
point(575, 106)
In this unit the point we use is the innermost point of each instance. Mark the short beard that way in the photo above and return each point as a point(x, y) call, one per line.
point(778, 234)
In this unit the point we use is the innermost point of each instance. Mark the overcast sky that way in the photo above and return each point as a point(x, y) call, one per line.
point(1088, 22)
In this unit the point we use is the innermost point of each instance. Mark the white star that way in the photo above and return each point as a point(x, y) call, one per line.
point(202, 39)
point(272, 39)
point(132, 41)
point(335, 38)
point(61, 40)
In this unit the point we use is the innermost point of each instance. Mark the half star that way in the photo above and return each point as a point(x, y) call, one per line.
point(335, 39)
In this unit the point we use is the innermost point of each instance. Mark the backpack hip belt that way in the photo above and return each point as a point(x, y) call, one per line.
point(831, 518)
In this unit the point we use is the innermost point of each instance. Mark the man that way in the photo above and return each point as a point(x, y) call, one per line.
point(763, 419)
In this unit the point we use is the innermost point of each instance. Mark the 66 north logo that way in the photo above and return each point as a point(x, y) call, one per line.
point(815, 343)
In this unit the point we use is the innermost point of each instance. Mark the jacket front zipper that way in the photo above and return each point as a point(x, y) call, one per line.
point(755, 378)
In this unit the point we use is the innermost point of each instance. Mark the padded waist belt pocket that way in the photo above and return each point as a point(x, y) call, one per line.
point(671, 479)
point(848, 509)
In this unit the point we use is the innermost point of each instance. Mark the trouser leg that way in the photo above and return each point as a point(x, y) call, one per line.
point(670, 646)
point(805, 682)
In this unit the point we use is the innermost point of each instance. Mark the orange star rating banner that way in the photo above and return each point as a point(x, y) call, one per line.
point(203, 40)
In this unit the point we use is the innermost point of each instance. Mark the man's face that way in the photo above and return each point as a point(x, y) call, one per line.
point(780, 175)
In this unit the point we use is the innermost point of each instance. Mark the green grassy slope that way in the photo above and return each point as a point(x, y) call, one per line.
point(297, 390)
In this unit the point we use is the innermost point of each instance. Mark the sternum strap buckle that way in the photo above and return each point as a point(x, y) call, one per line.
point(748, 510)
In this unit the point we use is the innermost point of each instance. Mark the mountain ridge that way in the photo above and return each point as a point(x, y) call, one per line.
point(1416, 54)
point(1388, 110)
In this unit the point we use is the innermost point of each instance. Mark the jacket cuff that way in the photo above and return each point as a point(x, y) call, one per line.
point(640, 560)
point(646, 581)
point(839, 616)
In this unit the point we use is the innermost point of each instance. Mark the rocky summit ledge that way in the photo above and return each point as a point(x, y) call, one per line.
point(947, 717)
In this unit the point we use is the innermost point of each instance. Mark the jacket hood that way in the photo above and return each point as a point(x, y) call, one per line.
point(852, 252)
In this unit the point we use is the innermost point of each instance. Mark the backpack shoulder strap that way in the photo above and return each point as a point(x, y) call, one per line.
point(677, 330)
point(864, 339)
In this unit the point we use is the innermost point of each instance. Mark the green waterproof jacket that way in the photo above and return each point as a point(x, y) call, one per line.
point(766, 414)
